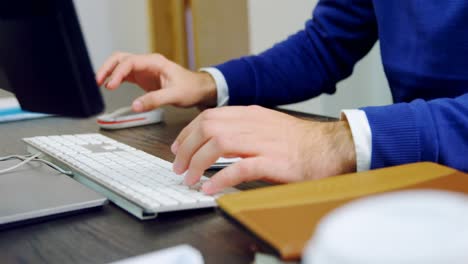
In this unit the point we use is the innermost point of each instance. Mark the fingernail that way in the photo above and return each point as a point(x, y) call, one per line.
point(176, 168)
point(174, 147)
point(207, 187)
point(137, 106)
point(187, 180)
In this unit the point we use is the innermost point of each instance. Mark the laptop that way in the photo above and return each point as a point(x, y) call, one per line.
point(35, 191)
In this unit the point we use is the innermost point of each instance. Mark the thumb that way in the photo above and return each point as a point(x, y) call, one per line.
point(154, 99)
point(245, 170)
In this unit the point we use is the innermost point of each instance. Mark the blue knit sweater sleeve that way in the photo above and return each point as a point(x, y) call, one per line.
point(309, 62)
point(435, 130)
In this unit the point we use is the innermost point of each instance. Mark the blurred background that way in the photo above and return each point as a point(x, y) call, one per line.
point(197, 33)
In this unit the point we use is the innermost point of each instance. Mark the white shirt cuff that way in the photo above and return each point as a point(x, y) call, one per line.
point(362, 137)
point(221, 85)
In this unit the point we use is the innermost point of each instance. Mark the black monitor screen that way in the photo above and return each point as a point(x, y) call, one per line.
point(43, 58)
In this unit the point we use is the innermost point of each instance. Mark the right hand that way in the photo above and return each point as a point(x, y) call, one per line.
point(165, 82)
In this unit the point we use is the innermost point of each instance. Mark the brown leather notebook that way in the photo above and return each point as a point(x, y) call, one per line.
point(285, 216)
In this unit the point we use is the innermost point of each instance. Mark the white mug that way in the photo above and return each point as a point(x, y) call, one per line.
point(424, 226)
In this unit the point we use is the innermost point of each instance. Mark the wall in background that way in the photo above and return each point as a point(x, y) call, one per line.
point(111, 25)
point(114, 25)
point(367, 85)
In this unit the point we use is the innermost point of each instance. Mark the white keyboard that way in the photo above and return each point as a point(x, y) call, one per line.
point(140, 183)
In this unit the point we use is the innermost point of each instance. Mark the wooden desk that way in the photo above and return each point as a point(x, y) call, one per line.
point(112, 234)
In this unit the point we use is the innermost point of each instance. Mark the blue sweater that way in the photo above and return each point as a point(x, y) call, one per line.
point(424, 47)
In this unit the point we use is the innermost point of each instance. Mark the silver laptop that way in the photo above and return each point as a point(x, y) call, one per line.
point(36, 191)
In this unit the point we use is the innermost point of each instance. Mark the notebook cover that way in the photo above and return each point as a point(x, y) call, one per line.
point(285, 216)
point(35, 192)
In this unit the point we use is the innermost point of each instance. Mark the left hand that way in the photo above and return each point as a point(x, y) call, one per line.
point(274, 146)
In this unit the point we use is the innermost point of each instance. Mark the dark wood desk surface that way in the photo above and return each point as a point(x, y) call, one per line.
point(112, 234)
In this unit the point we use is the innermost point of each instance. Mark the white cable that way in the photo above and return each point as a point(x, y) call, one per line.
point(21, 163)
point(50, 164)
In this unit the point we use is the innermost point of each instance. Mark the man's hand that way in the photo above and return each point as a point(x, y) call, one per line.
point(274, 146)
point(164, 81)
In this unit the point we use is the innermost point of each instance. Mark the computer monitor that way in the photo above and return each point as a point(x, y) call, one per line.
point(43, 58)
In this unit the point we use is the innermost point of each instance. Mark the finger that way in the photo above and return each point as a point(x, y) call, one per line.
point(108, 67)
point(248, 169)
point(223, 113)
point(155, 99)
point(201, 160)
point(183, 134)
point(121, 71)
point(188, 148)
point(232, 144)
point(197, 133)
point(154, 63)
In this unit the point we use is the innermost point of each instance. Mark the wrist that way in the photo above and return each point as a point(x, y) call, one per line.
point(342, 146)
point(327, 149)
point(208, 90)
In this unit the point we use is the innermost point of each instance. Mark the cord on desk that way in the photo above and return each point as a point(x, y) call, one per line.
point(31, 157)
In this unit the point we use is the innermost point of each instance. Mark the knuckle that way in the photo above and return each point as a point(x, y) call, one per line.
point(206, 128)
point(158, 57)
point(209, 114)
point(117, 53)
point(128, 60)
point(158, 60)
point(221, 143)
point(255, 108)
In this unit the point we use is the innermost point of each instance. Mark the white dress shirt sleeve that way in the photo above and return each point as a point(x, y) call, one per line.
point(221, 85)
point(362, 136)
